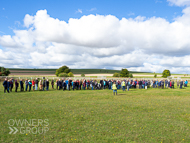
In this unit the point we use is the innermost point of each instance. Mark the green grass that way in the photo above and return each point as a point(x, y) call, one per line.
point(153, 115)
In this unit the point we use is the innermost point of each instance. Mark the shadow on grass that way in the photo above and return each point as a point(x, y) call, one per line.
point(121, 94)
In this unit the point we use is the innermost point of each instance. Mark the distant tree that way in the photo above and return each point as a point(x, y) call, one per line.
point(116, 74)
point(124, 73)
point(131, 75)
point(4, 71)
point(166, 73)
point(155, 75)
point(63, 69)
point(70, 74)
point(82, 75)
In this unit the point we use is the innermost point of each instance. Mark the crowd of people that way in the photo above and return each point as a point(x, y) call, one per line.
point(69, 84)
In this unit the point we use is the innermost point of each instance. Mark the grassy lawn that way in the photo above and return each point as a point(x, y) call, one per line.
point(153, 115)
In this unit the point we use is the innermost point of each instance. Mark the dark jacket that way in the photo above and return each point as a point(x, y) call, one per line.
point(70, 81)
point(8, 84)
point(21, 83)
point(16, 84)
point(36, 82)
point(47, 83)
point(11, 83)
point(59, 83)
point(44, 83)
point(5, 83)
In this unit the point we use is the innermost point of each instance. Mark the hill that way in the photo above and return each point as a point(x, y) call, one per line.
point(15, 71)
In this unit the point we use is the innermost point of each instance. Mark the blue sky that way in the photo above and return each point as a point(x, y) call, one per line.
point(12, 12)
point(140, 35)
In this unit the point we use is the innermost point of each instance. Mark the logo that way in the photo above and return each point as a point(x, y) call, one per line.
point(28, 126)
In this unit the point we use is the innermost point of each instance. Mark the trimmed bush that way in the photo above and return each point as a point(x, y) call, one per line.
point(116, 74)
point(82, 75)
point(63, 75)
point(155, 76)
point(131, 75)
point(70, 74)
point(4, 71)
point(166, 73)
point(124, 73)
point(63, 69)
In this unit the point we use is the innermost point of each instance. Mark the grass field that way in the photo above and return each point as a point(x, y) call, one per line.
point(153, 115)
point(74, 71)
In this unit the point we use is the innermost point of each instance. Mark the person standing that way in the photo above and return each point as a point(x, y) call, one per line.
point(47, 84)
point(173, 84)
point(52, 84)
point(104, 87)
point(114, 88)
point(93, 84)
point(56, 84)
point(186, 82)
point(162, 84)
point(73, 83)
point(67, 83)
point(8, 85)
point(36, 84)
point(33, 84)
point(128, 85)
point(59, 84)
point(21, 85)
point(26, 84)
point(166, 83)
point(40, 85)
point(158, 84)
point(11, 85)
point(77, 84)
point(181, 84)
point(12, 82)
point(64, 85)
point(80, 84)
point(84, 84)
point(44, 84)
point(123, 85)
point(16, 85)
point(30, 85)
point(178, 84)
point(146, 84)
point(5, 86)
point(140, 84)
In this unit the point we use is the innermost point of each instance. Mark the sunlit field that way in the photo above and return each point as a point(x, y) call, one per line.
point(153, 115)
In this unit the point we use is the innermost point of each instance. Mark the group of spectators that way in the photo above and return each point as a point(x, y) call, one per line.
point(69, 84)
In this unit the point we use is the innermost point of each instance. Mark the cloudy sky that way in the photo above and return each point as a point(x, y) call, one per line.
point(150, 35)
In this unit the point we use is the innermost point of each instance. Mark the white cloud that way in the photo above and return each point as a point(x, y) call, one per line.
point(179, 2)
point(92, 9)
point(98, 41)
point(2, 32)
point(131, 13)
point(79, 11)
point(17, 23)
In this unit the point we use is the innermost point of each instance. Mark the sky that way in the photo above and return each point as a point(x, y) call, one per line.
point(148, 35)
